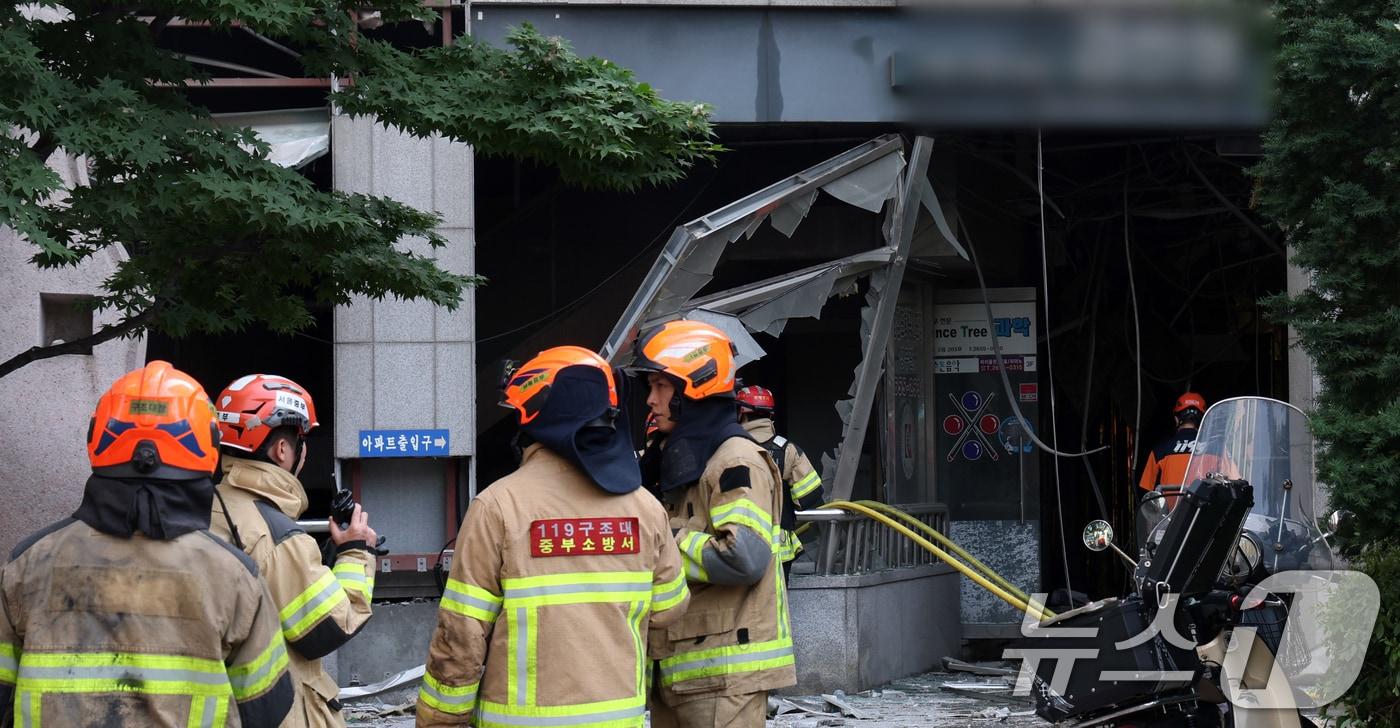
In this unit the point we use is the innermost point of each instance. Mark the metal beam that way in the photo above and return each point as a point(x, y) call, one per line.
point(872, 363)
point(250, 83)
point(741, 297)
point(684, 238)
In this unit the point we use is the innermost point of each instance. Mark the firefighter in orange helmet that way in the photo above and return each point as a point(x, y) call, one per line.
point(264, 420)
point(802, 486)
point(130, 612)
point(724, 496)
point(561, 567)
point(1166, 464)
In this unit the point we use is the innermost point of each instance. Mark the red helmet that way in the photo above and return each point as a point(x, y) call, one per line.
point(756, 400)
point(154, 422)
point(255, 405)
point(1189, 401)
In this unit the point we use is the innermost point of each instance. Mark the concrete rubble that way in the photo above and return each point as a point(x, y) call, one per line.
point(919, 700)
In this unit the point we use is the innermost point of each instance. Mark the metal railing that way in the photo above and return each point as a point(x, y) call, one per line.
point(853, 544)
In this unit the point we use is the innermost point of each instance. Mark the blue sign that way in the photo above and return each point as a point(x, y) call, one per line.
point(404, 443)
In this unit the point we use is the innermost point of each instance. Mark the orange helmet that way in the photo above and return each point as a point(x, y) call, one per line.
point(255, 405)
point(527, 387)
point(1188, 401)
point(154, 422)
point(697, 354)
point(756, 400)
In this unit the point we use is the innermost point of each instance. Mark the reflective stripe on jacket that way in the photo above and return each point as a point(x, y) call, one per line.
point(735, 638)
point(548, 602)
point(319, 609)
point(803, 484)
point(134, 631)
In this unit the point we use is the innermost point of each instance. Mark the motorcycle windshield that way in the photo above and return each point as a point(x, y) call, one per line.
point(1269, 444)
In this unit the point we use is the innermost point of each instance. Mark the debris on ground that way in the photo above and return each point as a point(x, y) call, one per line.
point(918, 700)
point(838, 700)
point(953, 665)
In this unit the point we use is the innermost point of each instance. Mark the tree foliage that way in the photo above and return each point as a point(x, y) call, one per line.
point(1329, 178)
point(220, 238)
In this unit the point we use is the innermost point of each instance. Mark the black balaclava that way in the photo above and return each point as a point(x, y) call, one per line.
point(159, 509)
point(702, 425)
point(579, 424)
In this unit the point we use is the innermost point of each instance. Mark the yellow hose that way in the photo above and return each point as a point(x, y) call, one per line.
point(1038, 611)
point(948, 544)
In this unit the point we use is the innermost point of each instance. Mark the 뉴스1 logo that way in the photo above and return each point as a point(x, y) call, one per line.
point(692, 356)
point(148, 407)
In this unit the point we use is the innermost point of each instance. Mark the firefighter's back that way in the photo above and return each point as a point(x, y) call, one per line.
point(577, 572)
point(131, 631)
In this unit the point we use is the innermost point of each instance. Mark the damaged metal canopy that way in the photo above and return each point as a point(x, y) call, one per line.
point(865, 176)
point(295, 137)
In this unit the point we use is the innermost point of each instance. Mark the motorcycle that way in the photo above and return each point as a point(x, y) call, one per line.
point(1200, 640)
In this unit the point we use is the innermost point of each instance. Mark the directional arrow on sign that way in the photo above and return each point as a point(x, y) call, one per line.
point(440, 442)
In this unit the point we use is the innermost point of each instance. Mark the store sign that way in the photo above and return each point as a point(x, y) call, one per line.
point(962, 330)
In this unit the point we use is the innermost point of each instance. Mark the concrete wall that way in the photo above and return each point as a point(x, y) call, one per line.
point(958, 64)
point(395, 639)
point(856, 632)
point(43, 464)
point(407, 364)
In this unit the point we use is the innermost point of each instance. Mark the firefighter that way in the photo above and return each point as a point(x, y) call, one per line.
point(130, 612)
point(1166, 464)
point(561, 567)
point(724, 496)
point(802, 486)
point(264, 420)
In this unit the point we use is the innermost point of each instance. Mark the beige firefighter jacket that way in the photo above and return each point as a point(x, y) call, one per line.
point(735, 638)
point(548, 602)
point(98, 629)
point(803, 484)
point(320, 609)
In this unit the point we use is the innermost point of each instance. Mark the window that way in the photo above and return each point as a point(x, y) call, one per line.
point(66, 317)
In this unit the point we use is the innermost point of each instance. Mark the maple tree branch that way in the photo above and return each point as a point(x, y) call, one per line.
point(78, 346)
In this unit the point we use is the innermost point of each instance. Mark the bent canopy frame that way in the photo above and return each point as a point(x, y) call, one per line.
point(873, 176)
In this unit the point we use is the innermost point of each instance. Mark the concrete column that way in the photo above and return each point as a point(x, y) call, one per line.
point(407, 364)
point(1303, 382)
point(43, 463)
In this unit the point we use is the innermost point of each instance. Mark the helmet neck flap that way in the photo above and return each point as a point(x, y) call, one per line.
point(578, 423)
point(159, 509)
point(702, 425)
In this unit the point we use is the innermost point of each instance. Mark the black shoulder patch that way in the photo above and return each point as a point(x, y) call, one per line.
point(735, 477)
point(34, 538)
point(243, 558)
point(326, 637)
point(279, 526)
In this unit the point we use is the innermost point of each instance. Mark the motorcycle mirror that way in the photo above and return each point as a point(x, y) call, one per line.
point(1098, 535)
point(1154, 505)
point(1339, 520)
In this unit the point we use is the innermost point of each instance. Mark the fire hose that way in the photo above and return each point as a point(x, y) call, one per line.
point(979, 573)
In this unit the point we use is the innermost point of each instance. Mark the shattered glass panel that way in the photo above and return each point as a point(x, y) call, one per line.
point(804, 301)
point(755, 223)
point(747, 349)
point(786, 218)
point(929, 198)
point(689, 276)
point(869, 186)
